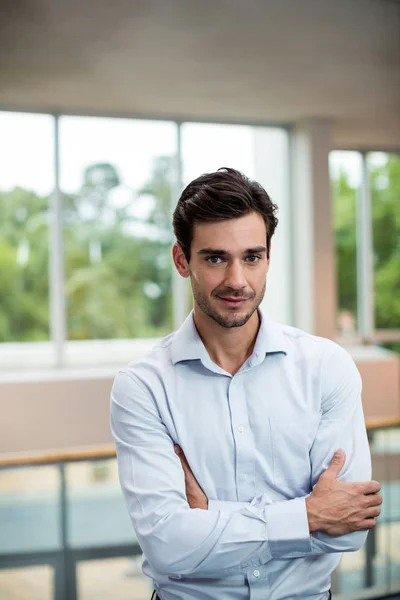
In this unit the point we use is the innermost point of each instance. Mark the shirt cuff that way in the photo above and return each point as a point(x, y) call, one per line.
point(287, 527)
point(226, 505)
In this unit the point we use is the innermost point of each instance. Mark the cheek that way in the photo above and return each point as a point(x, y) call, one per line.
point(207, 279)
point(257, 280)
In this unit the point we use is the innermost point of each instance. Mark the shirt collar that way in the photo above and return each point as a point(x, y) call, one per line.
point(187, 344)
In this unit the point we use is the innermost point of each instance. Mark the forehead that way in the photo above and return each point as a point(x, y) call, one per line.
point(231, 234)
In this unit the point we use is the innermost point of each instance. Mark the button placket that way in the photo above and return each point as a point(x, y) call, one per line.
point(245, 452)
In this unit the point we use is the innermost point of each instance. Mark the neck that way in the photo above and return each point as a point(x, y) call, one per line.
point(229, 347)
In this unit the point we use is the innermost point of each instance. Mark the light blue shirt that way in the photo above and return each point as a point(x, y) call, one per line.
point(257, 443)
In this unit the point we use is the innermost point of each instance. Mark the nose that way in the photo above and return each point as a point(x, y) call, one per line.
point(234, 276)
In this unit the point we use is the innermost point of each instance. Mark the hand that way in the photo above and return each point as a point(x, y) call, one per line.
point(195, 496)
point(339, 507)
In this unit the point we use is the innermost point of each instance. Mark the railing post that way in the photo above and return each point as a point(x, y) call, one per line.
point(69, 571)
point(370, 546)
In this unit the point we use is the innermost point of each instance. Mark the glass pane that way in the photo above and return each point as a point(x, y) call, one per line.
point(350, 575)
point(26, 181)
point(377, 564)
point(117, 178)
point(35, 583)
point(116, 578)
point(208, 146)
point(346, 175)
point(97, 512)
point(29, 509)
point(384, 171)
point(385, 448)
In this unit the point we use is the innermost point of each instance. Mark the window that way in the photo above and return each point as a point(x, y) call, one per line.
point(26, 183)
point(346, 174)
point(366, 194)
point(384, 178)
point(96, 195)
point(117, 180)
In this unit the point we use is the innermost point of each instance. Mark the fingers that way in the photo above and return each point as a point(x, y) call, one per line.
point(370, 487)
point(185, 465)
point(367, 524)
point(372, 500)
point(372, 512)
point(337, 463)
point(366, 488)
point(178, 450)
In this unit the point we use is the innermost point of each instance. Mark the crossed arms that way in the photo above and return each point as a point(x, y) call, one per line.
point(180, 540)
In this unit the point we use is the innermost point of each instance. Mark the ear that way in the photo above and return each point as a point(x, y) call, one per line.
point(180, 262)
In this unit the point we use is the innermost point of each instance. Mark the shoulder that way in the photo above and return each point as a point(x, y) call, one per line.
point(329, 357)
point(147, 371)
point(328, 363)
point(300, 341)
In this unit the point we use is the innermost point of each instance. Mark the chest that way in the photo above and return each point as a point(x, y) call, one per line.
point(245, 432)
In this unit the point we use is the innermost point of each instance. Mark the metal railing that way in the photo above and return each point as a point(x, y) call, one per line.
point(69, 546)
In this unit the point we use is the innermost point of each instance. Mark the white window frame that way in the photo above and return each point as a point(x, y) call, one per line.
point(366, 331)
point(59, 352)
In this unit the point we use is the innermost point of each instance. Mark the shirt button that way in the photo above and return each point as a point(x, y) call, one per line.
point(241, 429)
point(256, 573)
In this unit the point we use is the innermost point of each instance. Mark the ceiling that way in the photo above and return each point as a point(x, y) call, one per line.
point(230, 60)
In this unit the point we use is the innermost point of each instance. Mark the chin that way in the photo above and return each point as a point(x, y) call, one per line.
point(230, 320)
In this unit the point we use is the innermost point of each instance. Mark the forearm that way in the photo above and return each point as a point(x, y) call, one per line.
point(282, 547)
point(178, 540)
point(320, 543)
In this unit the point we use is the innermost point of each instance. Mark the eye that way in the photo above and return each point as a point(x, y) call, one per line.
point(253, 258)
point(214, 260)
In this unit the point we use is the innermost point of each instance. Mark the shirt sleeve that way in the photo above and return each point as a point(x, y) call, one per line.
point(227, 506)
point(342, 425)
point(176, 539)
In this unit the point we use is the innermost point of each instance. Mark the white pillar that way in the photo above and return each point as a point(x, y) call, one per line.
point(56, 261)
point(313, 249)
point(271, 167)
point(180, 290)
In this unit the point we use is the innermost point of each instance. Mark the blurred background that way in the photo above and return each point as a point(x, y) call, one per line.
point(107, 109)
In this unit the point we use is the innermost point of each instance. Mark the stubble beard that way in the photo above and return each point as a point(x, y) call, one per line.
point(226, 321)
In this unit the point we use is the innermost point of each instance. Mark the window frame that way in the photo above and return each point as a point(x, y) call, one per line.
point(367, 333)
point(57, 351)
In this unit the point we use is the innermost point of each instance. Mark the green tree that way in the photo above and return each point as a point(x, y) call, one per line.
point(385, 192)
point(345, 241)
point(24, 290)
point(385, 195)
point(126, 290)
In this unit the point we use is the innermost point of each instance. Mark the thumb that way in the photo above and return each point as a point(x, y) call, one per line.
point(337, 464)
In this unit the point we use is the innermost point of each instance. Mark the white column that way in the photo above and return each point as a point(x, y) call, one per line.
point(180, 291)
point(271, 168)
point(365, 258)
point(313, 254)
point(56, 261)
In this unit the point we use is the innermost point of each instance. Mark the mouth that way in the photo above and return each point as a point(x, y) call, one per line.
point(232, 302)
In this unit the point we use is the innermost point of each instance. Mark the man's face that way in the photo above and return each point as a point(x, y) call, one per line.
point(228, 268)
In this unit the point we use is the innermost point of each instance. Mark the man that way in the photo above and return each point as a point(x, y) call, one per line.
point(227, 432)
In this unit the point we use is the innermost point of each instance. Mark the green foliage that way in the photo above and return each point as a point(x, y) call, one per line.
point(24, 312)
point(117, 282)
point(117, 266)
point(385, 194)
point(345, 240)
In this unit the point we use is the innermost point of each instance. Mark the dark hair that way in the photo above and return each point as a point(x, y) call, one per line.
point(225, 194)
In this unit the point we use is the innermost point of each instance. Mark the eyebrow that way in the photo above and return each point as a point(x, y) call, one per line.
point(220, 252)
